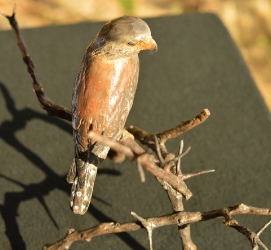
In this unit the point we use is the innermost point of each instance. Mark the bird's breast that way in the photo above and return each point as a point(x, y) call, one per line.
point(105, 91)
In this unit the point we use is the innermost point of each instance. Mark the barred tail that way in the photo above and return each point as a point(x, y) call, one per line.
point(82, 175)
point(82, 186)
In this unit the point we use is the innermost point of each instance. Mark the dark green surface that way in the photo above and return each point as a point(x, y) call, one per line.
point(197, 66)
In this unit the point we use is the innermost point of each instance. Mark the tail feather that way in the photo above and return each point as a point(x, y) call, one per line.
point(82, 175)
point(82, 189)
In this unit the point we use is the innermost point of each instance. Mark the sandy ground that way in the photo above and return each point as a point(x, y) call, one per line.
point(249, 22)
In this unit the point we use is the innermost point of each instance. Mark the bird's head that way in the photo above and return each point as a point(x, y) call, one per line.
point(129, 33)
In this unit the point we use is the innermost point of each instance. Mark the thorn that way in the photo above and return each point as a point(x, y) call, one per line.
point(147, 225)
point(177, 158)
point(178, 167)
point(182, 155)
point(188, 176)
point(158, 150)
point(263, 228)
point(261, 244)
point(140, 171)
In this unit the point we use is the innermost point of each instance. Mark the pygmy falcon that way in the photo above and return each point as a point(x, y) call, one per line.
point(102, 97)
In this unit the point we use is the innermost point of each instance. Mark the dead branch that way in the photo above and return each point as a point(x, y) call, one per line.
point(148, 139)
point(147, 161)
point(52, 108)
point(168, 162)
point(253, 237)
point(180, 219)
point(137, 153)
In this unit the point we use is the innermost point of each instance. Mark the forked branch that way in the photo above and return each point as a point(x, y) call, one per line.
point(180, 218)
point(147, 161)
point(148, 139)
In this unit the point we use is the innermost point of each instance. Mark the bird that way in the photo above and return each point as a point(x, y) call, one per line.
point(102, 98)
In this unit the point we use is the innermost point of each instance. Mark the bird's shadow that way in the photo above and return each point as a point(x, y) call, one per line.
point(52, 181)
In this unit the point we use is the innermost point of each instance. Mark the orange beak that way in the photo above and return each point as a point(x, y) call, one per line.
point(148, 45)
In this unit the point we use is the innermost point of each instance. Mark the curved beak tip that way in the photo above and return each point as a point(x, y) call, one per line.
point(155, 46)
point(148, 45)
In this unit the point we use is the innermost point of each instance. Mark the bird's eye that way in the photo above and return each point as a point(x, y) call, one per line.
point(132, 43)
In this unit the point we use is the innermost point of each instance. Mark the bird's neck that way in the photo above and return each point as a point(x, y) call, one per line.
point(112, 51)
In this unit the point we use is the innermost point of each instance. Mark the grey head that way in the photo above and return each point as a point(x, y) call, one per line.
point(128, 33)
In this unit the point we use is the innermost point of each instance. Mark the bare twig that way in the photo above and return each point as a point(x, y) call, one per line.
point(86, 235)
point(112, 144)
point(158, 150)
point(141, 172)
point(178, 167)
point(263, 228)
point(52, 108)
point(188, 176)
point(167, 162)
point(162, 137)
point(177, 159)
point(254, 238)
point(180, 218)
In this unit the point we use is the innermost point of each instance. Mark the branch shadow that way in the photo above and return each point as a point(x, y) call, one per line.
point(52, 181)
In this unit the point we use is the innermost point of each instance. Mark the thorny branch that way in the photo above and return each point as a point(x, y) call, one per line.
point(167, 170)
point(180, 219)
point(168, 162)
point(148, 161)
point(253, 237)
